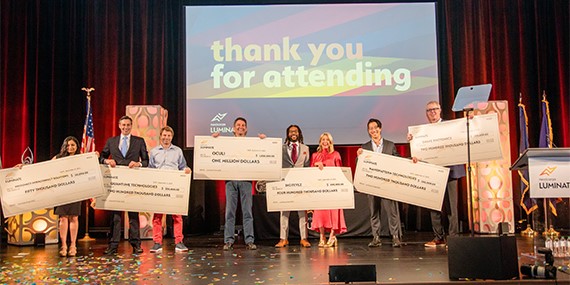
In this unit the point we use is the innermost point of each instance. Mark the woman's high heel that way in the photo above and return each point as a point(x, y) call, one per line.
point(333, 242)
point(322, 243)
point(63, 251)
point(72, 251)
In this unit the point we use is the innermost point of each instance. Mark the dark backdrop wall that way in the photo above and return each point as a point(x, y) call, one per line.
point(131, 52)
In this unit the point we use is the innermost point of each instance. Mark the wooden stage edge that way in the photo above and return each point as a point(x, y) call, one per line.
point(207, 263)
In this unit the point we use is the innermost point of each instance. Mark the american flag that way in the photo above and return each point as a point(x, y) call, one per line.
point(88, 138)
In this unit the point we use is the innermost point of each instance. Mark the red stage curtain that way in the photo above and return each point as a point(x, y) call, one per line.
point(129, 51)
point(521, 47)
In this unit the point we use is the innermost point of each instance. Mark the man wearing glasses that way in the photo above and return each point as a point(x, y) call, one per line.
point(433, 114)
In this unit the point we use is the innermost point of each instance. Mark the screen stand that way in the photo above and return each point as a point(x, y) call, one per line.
point(465, 100)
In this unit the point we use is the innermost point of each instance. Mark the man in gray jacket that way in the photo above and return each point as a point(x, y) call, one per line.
point(295, 154)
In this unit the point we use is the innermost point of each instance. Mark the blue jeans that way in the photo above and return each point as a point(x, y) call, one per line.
point(243, 189)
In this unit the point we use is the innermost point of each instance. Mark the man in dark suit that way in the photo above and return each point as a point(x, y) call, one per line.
point(127, 150)
point(295, 154)
point(378, 144)
point(433, 114)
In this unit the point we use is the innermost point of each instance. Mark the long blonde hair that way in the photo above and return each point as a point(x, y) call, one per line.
point(329, 136)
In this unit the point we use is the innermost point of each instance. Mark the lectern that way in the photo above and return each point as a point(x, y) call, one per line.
point(548, 170)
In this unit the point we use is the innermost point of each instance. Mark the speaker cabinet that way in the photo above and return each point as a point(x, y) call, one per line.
point(483, 257)
point(503, 229)
point(39, 239)
point(352, 273)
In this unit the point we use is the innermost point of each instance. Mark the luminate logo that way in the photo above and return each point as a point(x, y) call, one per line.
point(547, 171)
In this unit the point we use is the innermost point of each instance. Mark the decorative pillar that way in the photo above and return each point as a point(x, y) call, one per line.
point(147, 122)
point(492, 181)
point(22, 229)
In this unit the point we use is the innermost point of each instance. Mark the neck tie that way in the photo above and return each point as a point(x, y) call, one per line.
point(294, 155)
point(124, 146)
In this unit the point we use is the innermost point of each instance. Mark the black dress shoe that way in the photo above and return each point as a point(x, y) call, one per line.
point(137, 249)
point(110, 250)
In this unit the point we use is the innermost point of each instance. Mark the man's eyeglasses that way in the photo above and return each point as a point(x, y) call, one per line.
point(432, 110)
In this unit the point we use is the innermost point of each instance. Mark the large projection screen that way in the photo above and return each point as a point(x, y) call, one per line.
point(324, 67)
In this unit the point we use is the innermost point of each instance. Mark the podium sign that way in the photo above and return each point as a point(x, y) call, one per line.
point(548, 170)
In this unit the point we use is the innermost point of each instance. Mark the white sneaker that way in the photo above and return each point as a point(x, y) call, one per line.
point(157, 248)
point(180, 247)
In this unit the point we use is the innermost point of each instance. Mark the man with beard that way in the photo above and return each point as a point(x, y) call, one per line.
point(239, 190)
point(295, 154)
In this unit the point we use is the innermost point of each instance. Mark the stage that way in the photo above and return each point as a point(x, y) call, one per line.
point(207, 263)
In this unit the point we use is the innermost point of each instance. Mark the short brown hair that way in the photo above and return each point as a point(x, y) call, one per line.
point(166, 129)
point(125, 117)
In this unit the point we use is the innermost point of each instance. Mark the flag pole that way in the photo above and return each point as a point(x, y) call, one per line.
point(87, 237)
point(548, 230)
point(528, 232)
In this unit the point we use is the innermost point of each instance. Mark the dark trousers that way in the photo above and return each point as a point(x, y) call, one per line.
point(116, 226)
point(376, 204)
point(449, 207)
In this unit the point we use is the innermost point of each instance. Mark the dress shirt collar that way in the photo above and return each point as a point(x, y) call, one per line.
point(378, 147)
point(160, 146)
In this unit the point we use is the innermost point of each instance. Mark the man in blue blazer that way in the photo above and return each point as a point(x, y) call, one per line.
point(127, 150)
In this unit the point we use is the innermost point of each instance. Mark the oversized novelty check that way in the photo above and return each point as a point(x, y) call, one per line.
point(50, 183)
point(400, 179)
point(237, 158)
point(311, 188)
point(445, 143)
point(145, 190)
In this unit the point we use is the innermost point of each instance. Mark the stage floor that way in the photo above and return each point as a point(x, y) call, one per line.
point(207, 263)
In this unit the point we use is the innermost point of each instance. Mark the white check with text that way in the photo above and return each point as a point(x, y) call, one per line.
point(145, 190)
point(50, 183)
point(401, 180)
point(237, 158)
